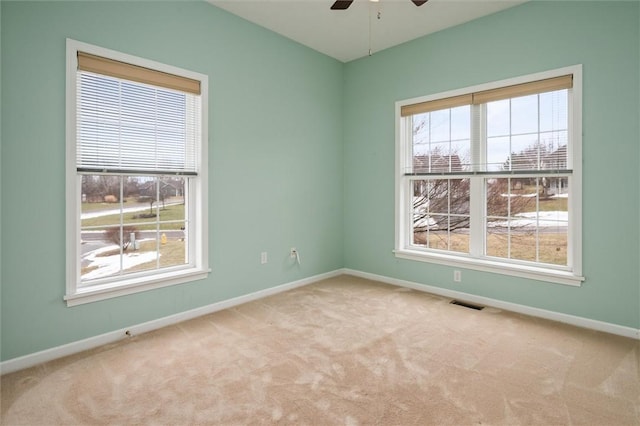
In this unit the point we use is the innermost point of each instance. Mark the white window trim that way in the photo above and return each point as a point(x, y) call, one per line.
point(76, 295)
point(568, 276)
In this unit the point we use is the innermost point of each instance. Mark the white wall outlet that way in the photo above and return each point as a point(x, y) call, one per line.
point(293, 253)
point(263, 257)
point(457, 276)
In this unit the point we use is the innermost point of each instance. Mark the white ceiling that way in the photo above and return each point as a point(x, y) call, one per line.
point(344, 34)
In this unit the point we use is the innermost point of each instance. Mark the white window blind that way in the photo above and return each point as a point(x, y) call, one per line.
point(125, 126)
point(501, 110)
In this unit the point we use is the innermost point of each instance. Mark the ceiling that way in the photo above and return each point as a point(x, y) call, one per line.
point(350, 34)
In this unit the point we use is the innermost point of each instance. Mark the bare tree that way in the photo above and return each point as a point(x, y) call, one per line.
point(158, 191)
point(437, 200)
point(97, 187)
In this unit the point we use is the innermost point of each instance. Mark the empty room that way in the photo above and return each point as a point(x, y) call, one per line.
point(320, 212)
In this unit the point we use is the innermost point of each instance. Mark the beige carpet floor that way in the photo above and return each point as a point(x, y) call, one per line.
point(344, 351)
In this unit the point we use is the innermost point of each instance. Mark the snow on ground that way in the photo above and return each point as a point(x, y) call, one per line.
point(533, 195)
point(425, 222)
point(110, 265)
point(544, 219)
point(91, 215)
point(98, 213)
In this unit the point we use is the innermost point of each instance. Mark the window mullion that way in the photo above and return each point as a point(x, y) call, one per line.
point(158, 236)
point(121, 230)
point(478, 138)
point(477, 193)
point(404, 202)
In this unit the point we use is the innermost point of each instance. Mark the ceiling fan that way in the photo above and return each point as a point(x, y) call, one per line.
point(344, 4)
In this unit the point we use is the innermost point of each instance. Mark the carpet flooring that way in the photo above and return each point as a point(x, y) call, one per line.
point(344, 351)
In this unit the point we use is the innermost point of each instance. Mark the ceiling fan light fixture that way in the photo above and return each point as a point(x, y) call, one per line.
point(341, 4)
point(344, 4)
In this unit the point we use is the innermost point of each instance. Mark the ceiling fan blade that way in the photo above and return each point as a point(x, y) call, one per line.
point(341, 4)
point(419, 2)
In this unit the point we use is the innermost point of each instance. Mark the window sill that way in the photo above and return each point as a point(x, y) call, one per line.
point(134, 285)
point(485, 265)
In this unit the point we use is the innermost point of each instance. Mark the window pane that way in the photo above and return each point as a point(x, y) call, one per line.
point(526, 153)
point(527, 219)
point(461, 122)
point(441, 140)
point(556, 154)
point(420, 123)
point(497, 196)
point(554, 111)
point(142, 227)
point(438, 196)
point(498, 153)
point(524, 115)
point(459, 240)
point(528, 132)
point(441, 214)
point(460, 155)
point(440, 126)
point(498, 118)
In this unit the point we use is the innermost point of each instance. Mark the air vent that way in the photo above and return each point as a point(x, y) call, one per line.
point(467, 305)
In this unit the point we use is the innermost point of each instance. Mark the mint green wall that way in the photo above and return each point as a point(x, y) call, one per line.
point(537, 36)
point(0, 184)
point(288, 168)
point(275, 159)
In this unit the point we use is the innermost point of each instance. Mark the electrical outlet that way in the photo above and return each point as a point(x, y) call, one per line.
point(457, 276)
point(263, 257)
point(293, 253)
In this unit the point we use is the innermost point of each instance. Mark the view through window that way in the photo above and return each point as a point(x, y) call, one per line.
point(137, 175)
point(489, 175)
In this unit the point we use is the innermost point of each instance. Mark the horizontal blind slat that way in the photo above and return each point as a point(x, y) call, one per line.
point(124, 126)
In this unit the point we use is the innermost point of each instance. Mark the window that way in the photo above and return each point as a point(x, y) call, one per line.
point(136, 174)
point(489, 177)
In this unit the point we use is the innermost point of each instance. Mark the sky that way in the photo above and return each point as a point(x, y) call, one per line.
point(512, 126)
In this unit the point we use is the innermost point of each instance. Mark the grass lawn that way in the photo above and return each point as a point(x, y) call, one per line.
point(554, 204)
point(521, 245)
point(96, 207)
point(552, 247)
point(171, 254)
point(169, 213)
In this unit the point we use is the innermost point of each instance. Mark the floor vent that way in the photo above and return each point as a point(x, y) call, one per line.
point(467, 305)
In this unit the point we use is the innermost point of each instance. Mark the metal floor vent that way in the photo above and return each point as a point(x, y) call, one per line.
point(467, 305)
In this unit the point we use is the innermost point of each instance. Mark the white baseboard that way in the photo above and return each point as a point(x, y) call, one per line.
point(507, 306)
point(36, 358)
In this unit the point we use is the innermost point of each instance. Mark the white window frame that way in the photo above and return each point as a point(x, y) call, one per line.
point(197, 209)
point(571, 275)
